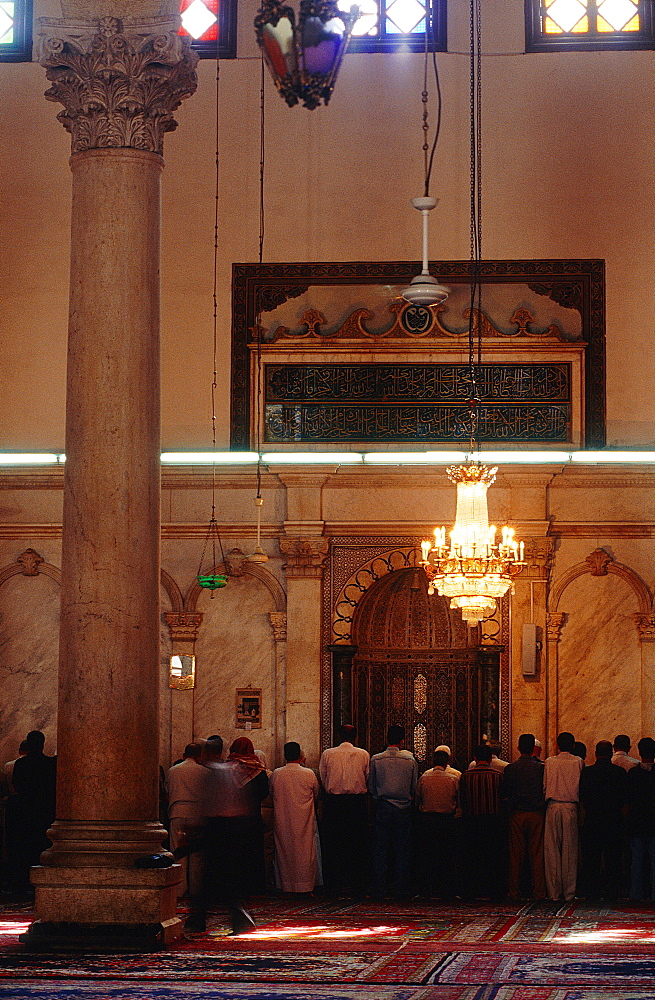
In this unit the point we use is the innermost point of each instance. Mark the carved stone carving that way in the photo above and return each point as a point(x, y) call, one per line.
point(304, 556)
point(118, 88)
point(645, 622)
point(554, 622)
point(30, 562)
point(599, 560)
point(409, 321)
point(184, 625)
point(278, 620)
point(236, 561)
point(538, 558)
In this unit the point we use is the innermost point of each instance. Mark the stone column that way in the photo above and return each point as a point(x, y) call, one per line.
point(554, 622)
point(645, 622)
point(184, 627)
point(304, 572)
point(529, 695)
point(119, 84)
point(278, 620)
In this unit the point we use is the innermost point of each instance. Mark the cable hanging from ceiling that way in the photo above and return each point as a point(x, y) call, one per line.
point(214, 581)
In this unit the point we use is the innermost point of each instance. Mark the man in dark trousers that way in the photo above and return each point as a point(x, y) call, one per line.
point(392, 782)
point(641, 822)
point(34, 779)
point(603, 788)
point(484, 849)
point(522, 789)
point(343, 770)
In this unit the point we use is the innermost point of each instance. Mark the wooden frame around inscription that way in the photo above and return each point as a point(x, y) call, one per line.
point(248, 708)
point(347, 332)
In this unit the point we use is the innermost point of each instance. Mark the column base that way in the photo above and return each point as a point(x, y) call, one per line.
point(47, 936)
point(97, 908)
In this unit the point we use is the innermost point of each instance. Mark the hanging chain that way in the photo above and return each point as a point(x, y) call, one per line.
point(258, 317)
point(212, 531)
point(475, 301)
point(429, 151)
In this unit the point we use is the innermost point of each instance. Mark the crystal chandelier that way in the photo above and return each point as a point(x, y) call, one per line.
point(304, 55)
point(473, 570)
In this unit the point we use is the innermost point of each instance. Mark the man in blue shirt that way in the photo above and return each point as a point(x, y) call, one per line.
point(392, 783)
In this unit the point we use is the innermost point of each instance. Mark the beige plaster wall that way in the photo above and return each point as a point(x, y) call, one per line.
point(557, 131)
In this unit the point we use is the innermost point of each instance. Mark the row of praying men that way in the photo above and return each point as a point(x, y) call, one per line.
point(495, 830)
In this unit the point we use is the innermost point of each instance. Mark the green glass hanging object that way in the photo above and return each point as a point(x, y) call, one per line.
point(213, 582)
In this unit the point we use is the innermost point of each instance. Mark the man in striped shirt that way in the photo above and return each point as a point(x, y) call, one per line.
point(484, 848)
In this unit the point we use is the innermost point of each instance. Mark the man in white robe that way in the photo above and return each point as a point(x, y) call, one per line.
point(294, 789)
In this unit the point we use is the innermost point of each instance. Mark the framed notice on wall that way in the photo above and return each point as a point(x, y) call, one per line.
point(249, 708)
point(338, 356)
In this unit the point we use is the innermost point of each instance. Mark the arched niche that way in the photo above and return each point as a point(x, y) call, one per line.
point(29, 651)
point(600, 563)
point(596, 657)
point(236, 565)
point(236, 648)
point(359, 582)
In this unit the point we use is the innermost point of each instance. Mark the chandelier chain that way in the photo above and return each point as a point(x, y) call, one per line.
point(428, 157)
point(258, 319)
point(475, 300)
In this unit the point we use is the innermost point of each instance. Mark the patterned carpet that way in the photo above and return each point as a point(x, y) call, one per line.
point(341, 950)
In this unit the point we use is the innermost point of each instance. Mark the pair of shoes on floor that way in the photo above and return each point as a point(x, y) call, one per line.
point(242, 922)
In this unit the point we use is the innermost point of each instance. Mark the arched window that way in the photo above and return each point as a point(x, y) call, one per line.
point(589, 24)
point(16, 30)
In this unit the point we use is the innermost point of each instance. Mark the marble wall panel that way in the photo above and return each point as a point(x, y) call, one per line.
point(29, 647)
point(599, 690)
point(235, 648)
point(165, 647)
point(582, 500)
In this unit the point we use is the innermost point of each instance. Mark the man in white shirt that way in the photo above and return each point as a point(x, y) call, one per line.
point(343, 771)
point(392, 782)
point(437, 798)
point(185, 787)
point(449, 768)
point(497, 763)
point(561, 789)
point(621, 747)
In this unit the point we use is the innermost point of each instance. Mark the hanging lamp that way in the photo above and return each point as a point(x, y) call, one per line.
point(304, 54)
point(214, 581)
point(424, 289)
point(473, 569)
point(259, 556)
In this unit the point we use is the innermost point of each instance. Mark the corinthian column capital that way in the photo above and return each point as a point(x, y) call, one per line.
point(184, 625)
point(304, 556)
point(554, 623)
point(645, 622)
point(119, 82)
point(278, 620)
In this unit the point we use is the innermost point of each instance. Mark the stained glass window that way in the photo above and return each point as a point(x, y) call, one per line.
point(208, 23)
point(394, 24)
point(15, 30)
point(583, 24)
